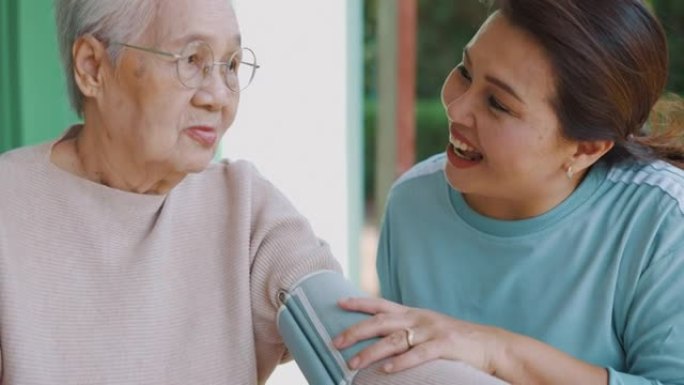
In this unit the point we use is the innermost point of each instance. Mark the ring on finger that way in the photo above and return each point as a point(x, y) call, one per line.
point(410, 335)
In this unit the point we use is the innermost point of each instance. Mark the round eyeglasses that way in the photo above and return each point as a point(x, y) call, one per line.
point(196, 62)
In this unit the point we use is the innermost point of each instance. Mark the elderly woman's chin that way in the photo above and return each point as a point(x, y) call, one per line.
point(194, 154)
point(184, 158)
point(196, 161)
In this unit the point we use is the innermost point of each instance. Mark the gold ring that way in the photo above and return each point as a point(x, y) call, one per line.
point(409, 337)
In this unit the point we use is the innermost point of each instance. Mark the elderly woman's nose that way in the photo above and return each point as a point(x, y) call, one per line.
point(213, 94)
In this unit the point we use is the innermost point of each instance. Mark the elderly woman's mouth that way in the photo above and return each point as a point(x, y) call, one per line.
point(204, 135)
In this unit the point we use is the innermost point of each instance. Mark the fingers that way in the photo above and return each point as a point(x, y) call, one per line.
point(382, 324)
point(390, 345)
point(370, 305)
point(419, 354)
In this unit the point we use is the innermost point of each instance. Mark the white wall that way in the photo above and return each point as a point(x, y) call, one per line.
point(300, 120)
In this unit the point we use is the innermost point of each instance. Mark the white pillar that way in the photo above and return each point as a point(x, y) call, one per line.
point(300, 121)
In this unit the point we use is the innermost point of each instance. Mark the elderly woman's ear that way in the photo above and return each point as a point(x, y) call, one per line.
point(90, 56)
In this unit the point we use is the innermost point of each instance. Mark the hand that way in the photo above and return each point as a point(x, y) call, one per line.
point(434, 335)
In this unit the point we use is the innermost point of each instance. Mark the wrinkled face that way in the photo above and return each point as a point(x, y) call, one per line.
point(148, 113)
point(505, 139)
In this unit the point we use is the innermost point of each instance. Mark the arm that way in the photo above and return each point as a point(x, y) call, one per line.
point(308, 319)
point(282, 249)
point(437, 372)
point(528, 361)
point(513, 358)
point(653, 335)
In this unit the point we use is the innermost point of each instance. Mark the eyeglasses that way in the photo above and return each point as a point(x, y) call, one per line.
point(196, 62)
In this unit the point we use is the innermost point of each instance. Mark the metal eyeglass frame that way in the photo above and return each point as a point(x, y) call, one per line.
point(178, 56)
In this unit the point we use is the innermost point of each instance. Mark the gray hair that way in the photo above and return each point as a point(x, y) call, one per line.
point(107, 20)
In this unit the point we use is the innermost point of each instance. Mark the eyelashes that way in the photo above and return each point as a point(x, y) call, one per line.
point(464, 73)
point(495, 104)
point(492, 101)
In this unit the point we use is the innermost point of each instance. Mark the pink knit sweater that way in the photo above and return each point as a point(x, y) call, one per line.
point(102, 286)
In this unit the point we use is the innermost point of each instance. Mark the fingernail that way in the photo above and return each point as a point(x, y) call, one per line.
point(388, 368)
point(354, 363)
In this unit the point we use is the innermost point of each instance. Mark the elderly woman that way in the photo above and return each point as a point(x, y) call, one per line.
point(125, 256)
point(546, 244)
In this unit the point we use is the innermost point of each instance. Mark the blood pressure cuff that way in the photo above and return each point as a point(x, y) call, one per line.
point(308, 320)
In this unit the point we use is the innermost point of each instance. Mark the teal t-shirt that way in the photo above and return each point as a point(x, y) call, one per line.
point(600, 276)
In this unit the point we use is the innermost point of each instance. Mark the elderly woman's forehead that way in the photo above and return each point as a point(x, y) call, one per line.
point(180, 21)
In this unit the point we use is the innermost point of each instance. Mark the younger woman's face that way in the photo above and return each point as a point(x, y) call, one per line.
point(506, 153)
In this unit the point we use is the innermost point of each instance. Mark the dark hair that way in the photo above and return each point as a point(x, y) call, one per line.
point(610, 60)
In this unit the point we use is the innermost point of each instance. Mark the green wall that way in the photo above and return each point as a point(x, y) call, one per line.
point(8, 110)
point(34, 106)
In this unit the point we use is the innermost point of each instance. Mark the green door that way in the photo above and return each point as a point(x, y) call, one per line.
point(34, 106)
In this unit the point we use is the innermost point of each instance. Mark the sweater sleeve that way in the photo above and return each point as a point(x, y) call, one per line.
point(653, 337)
point(283, 248)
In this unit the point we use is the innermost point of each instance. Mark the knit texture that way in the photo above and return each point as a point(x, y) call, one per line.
point(99, 285)
point(102, 286)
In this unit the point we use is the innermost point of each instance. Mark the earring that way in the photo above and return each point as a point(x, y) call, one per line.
point(569, 172)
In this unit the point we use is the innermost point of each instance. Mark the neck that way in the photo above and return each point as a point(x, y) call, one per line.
point(103, 162)
point(527, 206)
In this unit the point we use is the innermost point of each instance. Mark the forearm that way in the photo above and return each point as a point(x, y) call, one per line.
point(438, 372)
point(310, 317)
point(523, 360)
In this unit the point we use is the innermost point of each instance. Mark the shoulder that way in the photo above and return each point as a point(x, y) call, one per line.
point(21, 166)
point(23, 156)
point(649, 199)
point(431, 169)
point(656, 178)
point(422, 186)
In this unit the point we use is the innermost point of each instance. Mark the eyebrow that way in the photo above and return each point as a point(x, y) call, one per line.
point(495, 81)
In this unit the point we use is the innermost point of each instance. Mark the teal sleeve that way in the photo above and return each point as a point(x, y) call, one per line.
point(653, 337)
point(618, 378)
point(386, 274)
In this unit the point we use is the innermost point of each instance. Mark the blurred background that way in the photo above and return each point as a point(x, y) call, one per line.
point(346, 100)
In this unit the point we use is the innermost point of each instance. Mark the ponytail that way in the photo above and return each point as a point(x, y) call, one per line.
point(664, 133)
